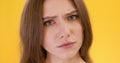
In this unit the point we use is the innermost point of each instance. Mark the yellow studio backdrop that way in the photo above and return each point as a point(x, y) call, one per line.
point(105, 19)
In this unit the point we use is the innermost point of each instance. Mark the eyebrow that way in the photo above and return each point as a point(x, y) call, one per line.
point(50, 17)
point(72, 12)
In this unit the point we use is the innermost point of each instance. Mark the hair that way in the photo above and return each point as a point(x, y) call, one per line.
point(32, 32)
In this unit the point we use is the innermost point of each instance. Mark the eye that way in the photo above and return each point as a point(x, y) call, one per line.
point(72, 17)
point(48, 22)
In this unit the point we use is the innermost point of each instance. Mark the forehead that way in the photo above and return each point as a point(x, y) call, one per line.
point(57, 7)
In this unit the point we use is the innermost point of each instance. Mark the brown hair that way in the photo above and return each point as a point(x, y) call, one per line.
point(32, 31)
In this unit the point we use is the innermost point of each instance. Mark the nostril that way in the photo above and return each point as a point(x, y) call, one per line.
point(66, 36)
point(61, 37)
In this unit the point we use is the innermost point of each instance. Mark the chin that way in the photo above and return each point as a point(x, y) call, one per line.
point(67, 55)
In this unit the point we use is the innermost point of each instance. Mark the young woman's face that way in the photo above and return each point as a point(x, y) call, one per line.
point(63, 31)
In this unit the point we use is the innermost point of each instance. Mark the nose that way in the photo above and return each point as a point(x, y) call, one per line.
point(64, 32)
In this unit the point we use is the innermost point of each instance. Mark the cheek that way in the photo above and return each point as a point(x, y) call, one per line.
point(49, 41)
point(49, 38)
point(78, 33)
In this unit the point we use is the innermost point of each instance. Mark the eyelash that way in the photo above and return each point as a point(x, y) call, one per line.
point(69, 18)
point(72, 17)
point(49, 22)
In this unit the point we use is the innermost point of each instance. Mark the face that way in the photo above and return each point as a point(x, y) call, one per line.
point(63, 31)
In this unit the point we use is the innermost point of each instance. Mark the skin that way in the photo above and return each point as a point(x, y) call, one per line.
point(62, 26)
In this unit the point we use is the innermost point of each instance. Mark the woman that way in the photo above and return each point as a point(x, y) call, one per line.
point(55, 31)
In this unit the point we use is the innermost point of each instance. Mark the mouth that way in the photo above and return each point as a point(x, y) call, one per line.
point(66, 45)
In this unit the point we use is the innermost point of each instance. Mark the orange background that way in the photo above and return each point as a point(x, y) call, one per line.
point(105, 19)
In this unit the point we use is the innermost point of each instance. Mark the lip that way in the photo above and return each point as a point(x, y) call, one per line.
point(66, 45)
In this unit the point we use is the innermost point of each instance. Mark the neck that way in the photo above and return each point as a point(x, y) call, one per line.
point(75, 59)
